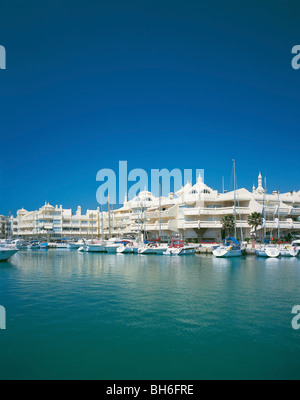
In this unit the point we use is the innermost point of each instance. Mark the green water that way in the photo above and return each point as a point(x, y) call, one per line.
point(101, 316)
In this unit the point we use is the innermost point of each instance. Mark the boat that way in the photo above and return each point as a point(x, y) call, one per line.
point(179, 248)
point(19, 244)
point(75, 245)
point(268, 251)
point(113, 244)
point(231, 248)
point(128, 247)
point(296, 245)
point(288, 251)
point(6, 253)
point(61, 245)
point(152, 247)
point(43, 245)
point(93, 247)
point(33, 246)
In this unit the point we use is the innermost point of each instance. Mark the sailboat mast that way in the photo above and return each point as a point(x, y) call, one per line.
point(234, 179)
point(278, 215)
point(102, 225)
point(138, 220)
point(159, 211)
point(109, 228)
point(264, 215)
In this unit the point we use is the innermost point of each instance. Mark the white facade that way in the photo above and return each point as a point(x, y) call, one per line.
point(194, 212)
point(5, 227)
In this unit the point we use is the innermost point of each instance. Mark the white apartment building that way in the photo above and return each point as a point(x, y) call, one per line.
point(5, 227)
point(55, 222)
point(193, 212)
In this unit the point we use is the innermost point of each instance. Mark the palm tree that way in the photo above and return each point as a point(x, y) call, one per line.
point(228, 223)
point(254, 220)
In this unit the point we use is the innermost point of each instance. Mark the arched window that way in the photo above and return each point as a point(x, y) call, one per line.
point(193, 191)
point(205, 191)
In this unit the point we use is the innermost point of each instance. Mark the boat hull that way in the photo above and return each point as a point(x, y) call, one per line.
point(61, 245)
point(292, 252)
point(73, 246)
point(227, 253)
point(127, 249)
point(95, 248)
point(272, 252)
point(7, 254)
point(111, 249)
point(181, 251)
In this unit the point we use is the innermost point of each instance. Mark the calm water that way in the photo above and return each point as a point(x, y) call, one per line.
point(100, 316)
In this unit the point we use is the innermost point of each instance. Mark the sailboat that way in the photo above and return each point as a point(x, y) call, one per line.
point(231, 247)
point(266, 250)
point(153, 246)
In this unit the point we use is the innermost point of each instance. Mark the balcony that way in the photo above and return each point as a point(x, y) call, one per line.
point(215, 211)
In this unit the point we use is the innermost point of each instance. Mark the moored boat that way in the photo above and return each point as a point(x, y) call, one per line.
point(6, 253)
point(93, 247)
point(288, 251)
point(179, 248)
point(75, 245)
point(112, 245)
point(268, 251)
point(152, 247)
point(128, 247)
point(231, 248)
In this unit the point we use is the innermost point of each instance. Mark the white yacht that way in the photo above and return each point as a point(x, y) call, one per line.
point(93, 247)
point(231, 248)
point(179, 248)
point(288, 251)
point(153, 248)
point(128, 247)
point(268, 251)
point(20, 244)
point(6, 253)
point(75, 245)
point(112, 245)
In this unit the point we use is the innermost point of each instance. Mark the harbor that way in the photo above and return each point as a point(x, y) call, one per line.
point(194, 219)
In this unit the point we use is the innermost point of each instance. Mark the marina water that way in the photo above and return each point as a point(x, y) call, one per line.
point(73, 315)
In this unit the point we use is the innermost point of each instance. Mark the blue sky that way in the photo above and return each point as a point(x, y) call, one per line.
point(161, 84)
